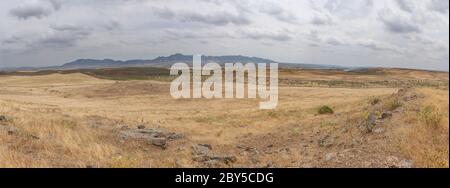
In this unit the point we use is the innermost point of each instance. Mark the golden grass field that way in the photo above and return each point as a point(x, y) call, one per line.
point(77, 120)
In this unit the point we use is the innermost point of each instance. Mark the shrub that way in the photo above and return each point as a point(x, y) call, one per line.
point(430, 116)
point(393, 104)
point(374, 100)
point(325, 110)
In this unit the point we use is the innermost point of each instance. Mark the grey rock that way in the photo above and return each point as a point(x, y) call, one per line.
point(371, 122)
point(141, 133)
point(330, 156)
point(154, 136)
point(160, 142)
point(201, 149)
point(9, 129)
point(174, 136)
point(406, 164)
point(378, 130)
point(326, 141)
point(202, 153)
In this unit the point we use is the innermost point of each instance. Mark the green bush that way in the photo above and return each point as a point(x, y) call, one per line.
point(325, 110)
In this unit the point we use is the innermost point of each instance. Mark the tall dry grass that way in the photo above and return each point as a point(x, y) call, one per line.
point(426, 139)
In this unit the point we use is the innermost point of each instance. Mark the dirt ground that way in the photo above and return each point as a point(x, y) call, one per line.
point(385, 118)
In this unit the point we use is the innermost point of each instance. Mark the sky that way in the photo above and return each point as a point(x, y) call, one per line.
point(375, 33)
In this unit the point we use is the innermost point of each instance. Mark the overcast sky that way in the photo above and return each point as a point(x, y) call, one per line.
point(388, 33)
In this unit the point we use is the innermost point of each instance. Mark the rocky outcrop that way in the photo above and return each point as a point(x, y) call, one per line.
point(153, 136)
point(202, 153)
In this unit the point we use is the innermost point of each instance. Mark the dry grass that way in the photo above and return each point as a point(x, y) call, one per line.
point(426, 139)
point(72, 120)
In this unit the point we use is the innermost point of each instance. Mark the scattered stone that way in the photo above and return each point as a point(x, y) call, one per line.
point(9, 129)
point(405, 163)
point(202, 153)
point(154, 136)
point(178, 164)
point(378, 130)
point(141, 126)
point(410, 97)
point(269, 164)
point(307, 165)
point(330, 156)
point(201, 149)
point(395, 162)
point(326, 141)
point(254, 160)
point(284, 150)
point(142, 133)
point(160, 142)
point(174, 136)
point(253, 153)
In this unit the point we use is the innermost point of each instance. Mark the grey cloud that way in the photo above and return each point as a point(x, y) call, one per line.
point(63, 36)
point(346, 9)
point(181, 34)
point(29, 11)
point(335, 41)
point(217, 18)
point(56, 4)
point(68, 27)
point(172, 34)
point(60, 40)
point(321, 19)
point(313, 35)
point(112, 25)
point(377, 46)
point(279, 13)
point(131, 28)
point(12, 40)
point(38, 9)
point(406, 5)
point(260, 35)
point(13, 44)
point(398, 24)
point(441, 6)
point(164, 13)
point(314, 45)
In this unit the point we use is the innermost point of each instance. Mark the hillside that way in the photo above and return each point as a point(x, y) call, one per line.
point(167, 62)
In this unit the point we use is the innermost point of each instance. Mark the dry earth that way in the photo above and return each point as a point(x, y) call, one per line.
point(382, 118)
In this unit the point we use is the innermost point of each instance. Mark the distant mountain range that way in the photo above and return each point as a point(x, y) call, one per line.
point(168, 61)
